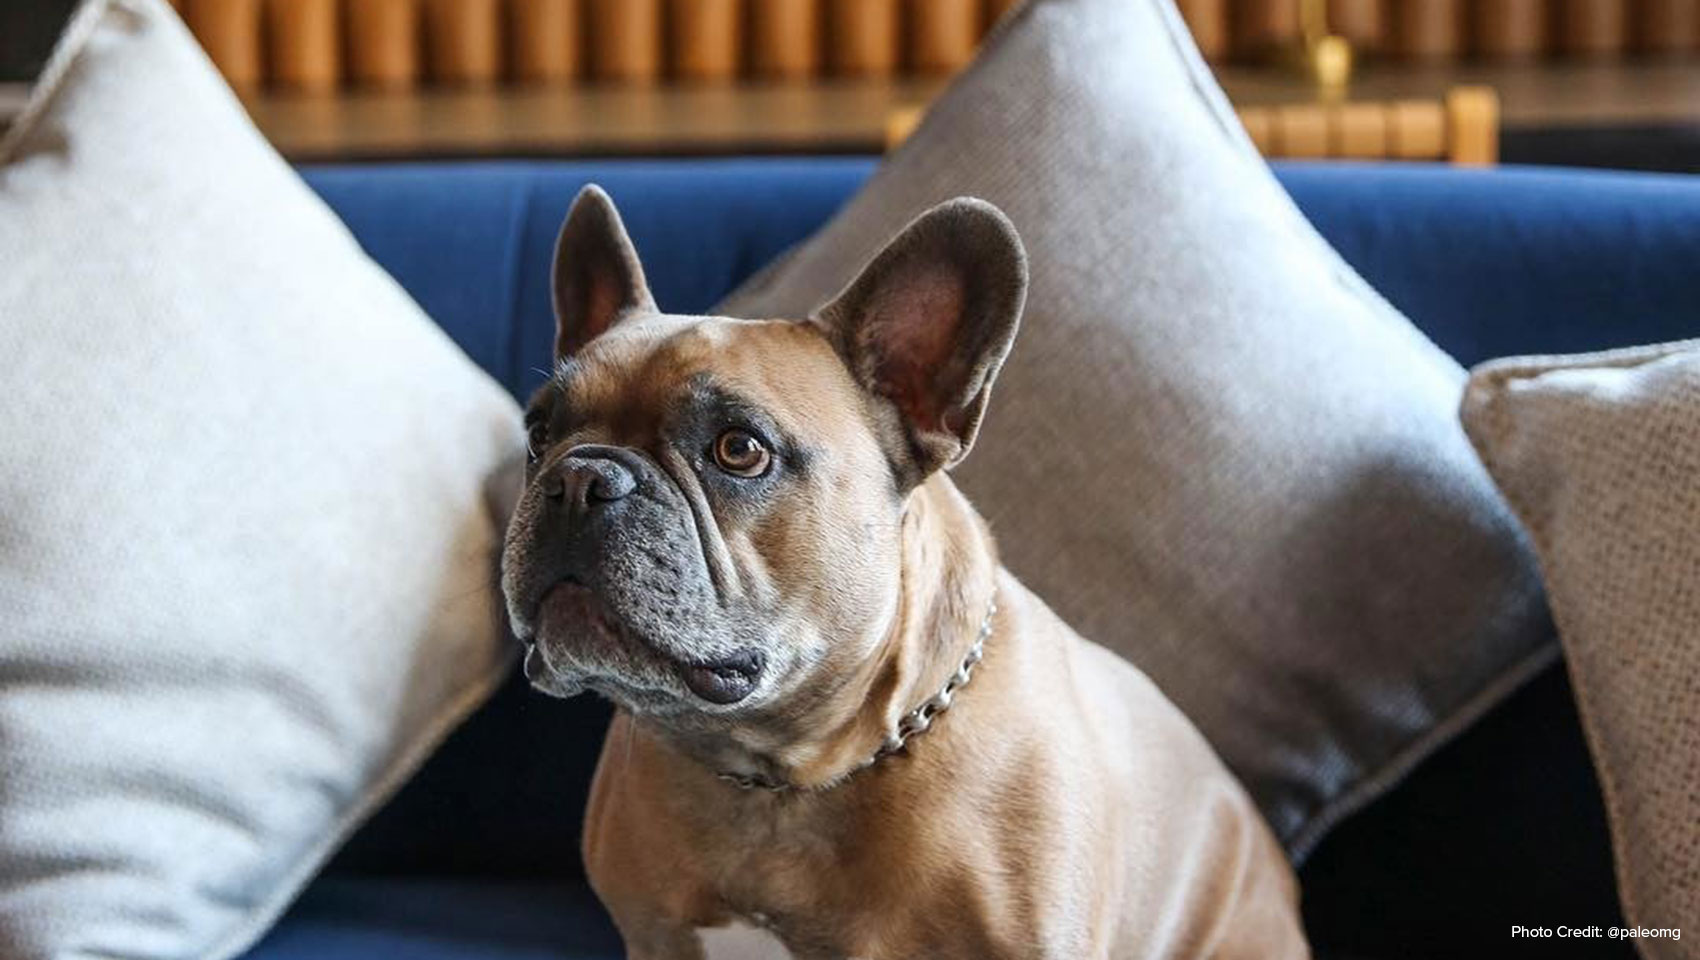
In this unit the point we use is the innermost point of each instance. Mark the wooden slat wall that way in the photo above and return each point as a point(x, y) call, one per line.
point(319, 45)
point(315, 45)
point(1462, 128)
point(1442, 29)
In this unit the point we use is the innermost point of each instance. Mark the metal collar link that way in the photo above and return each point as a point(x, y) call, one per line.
point(913, 724)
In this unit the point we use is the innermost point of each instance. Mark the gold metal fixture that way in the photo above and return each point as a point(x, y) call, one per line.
point(1326, 57)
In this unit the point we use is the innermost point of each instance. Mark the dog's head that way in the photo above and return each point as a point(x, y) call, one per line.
point(712, 511)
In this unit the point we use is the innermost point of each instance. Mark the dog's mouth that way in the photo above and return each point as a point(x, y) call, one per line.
point(572, 610)
point(724, 681)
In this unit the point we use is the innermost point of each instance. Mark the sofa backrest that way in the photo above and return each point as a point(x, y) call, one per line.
point(473, 242)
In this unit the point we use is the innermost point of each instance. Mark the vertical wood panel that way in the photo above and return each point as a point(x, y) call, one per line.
point(1472, 126)
point(995, 9)
point(1208, 21)
point(1592, 29)
point(544, 40)
point(1667, 26)
point(942, 34)
point(1259, 128)
point(1263, 26)
point(784, 39)
point(1416, 130)
point(625, 40)
point(463, 41)
point(1362, 22)
point(229, 31)
point(383, 43)
point(1360, 131)
point(1508, 29)
point(862, 37)
point(705, 39)
point(1427, 29)
point(305, 37)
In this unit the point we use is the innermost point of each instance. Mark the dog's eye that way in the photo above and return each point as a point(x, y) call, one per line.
point(741, 454)
point(536, 438)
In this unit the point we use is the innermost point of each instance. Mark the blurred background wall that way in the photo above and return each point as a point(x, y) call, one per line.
point(1594, 82)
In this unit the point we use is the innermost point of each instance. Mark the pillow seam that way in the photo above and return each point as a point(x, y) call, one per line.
point(1504, 370)
point(1369, 787)
point(73, 42)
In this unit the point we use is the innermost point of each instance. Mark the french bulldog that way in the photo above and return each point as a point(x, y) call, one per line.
point(842, 728)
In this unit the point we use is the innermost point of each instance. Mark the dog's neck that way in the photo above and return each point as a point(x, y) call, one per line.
point(946, 586)
point(948, 575)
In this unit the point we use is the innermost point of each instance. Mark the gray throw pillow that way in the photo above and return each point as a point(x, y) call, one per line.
point(1600, 457)
point(246, 556)
point(1218, 451)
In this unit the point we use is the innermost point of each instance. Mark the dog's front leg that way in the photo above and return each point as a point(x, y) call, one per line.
point(661, 940)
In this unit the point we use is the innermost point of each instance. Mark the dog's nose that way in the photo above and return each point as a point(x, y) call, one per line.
point(583, 480)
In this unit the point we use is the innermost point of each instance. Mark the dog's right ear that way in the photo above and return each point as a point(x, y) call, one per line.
point(598, 280)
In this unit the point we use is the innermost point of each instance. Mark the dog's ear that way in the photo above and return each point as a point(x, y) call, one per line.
point(598, 280)
point(927, 325)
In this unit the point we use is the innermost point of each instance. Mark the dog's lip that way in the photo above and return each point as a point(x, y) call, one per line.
point(726, 680)
point(540, 601)
point(721, 680)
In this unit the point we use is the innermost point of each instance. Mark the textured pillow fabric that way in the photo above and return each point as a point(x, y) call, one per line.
point(1216, 450)
point(246, 555)
point(1600, 457)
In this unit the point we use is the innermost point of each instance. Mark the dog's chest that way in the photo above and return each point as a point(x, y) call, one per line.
point(741, 941)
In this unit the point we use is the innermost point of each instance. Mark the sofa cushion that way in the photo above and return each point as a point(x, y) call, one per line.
point(246, 548)
point(474, 242)
point(1599, 454)
point(405, 918)
point(1219, 453)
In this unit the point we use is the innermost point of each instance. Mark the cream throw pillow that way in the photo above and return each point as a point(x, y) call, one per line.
point(1600, 456)
point(245, 554)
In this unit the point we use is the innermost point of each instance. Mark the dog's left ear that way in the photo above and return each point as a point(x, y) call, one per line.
point(598, 280)
point(927, 325)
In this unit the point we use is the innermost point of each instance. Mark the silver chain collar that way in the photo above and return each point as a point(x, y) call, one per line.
point(913, 724)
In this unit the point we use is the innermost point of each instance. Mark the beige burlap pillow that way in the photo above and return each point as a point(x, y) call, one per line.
point(1600, 457)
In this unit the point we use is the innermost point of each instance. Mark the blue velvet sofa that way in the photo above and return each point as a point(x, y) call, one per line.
point(477, 857)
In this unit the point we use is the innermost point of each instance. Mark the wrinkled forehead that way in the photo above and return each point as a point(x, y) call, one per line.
point(646, 370)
